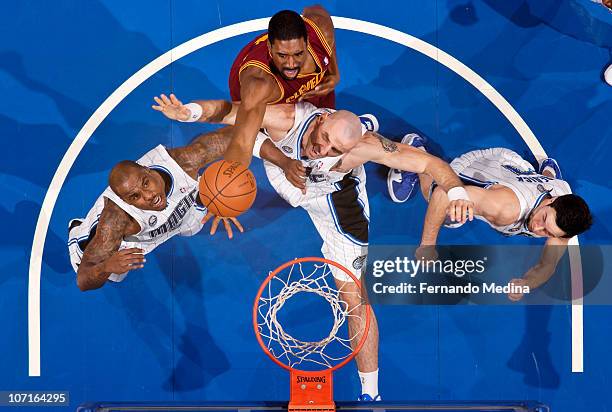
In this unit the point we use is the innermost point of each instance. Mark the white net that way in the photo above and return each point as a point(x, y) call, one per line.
point(347, 313)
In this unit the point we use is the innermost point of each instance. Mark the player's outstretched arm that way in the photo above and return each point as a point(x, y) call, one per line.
point(437, 210)
point(434, 217)
point(553, 251)
point(203, 111)
point(202, 150)
point(102, 256)
point(278, 118)
point(379, 149)
point(257, 89)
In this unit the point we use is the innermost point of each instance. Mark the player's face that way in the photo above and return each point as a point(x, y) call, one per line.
point(322, 142)
point(543, 222)
point(145, 189)
point(288, 56)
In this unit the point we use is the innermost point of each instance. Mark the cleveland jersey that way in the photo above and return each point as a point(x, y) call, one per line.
point(489, 167)
point(256, 54)
point(182, 215)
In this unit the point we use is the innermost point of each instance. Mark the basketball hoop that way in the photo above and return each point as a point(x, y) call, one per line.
point(311, 362)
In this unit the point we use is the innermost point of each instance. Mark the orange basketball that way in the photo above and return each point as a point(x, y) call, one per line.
point(227, 189)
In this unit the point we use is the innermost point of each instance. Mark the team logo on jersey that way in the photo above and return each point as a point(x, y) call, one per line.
point(325, 60)
point(152, 220)
point(183, 190)
point(176, 217)
point(359, 262)
point(287, 149)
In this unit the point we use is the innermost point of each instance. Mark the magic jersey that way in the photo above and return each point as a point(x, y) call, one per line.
point(182, 215)
point(489, 167)
point(321, 180)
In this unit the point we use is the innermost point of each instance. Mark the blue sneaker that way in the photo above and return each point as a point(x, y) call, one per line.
point(401, 184)
point(552, 163)
point(364, 397)
point(369, 123)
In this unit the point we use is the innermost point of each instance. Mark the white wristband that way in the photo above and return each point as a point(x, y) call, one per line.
point(196, 112)
point(457, 193)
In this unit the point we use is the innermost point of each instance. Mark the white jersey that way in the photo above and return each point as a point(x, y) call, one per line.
point(182, 215)
point(321, 179)
point(337, 202)
point(501, 166)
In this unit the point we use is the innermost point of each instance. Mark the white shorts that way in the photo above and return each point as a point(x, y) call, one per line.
point(341, 218)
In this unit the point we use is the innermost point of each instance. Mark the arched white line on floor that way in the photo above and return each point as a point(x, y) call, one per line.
point(224, 33)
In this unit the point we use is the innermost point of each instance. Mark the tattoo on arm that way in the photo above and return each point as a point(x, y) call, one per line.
point(111, 229)
point(202, 150)
point(388, 145)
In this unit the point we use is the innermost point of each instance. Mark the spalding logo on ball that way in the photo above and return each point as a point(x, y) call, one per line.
point(227, 189)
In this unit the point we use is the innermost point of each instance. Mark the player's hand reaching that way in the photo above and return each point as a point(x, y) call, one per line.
point(124, 260)
point(226, 223)
point(171, 107)
point(174, 109)
point(326, 86)
point(460, 210)
point(295, 172)
point(515, 297)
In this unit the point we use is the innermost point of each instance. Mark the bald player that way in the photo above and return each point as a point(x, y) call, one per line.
point(333, 150)
point(146, 203)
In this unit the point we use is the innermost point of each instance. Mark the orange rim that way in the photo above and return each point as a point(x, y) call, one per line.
point(273, 274)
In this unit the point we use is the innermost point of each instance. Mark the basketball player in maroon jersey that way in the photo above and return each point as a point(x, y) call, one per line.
point(295, 60)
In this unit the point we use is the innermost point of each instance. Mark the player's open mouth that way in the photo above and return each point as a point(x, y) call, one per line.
point(291, 73)
point(157, 200)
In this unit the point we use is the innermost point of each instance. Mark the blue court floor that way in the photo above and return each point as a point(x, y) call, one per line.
point(180, 329)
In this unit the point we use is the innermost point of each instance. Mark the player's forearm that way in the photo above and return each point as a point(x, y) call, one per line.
point(248, 121)
point(91, 276)
point(434, 217)
point(272, 154)
point(217, 111)
point(539, 274)
point(442, 174)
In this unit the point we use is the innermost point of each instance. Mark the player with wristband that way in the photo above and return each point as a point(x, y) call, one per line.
point(512, 198)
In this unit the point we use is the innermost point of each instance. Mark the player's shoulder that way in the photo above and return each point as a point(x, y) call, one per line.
point(318, 15)
point(258, 83)
point(565, 186)
point(256, 72)
point(367, 145)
